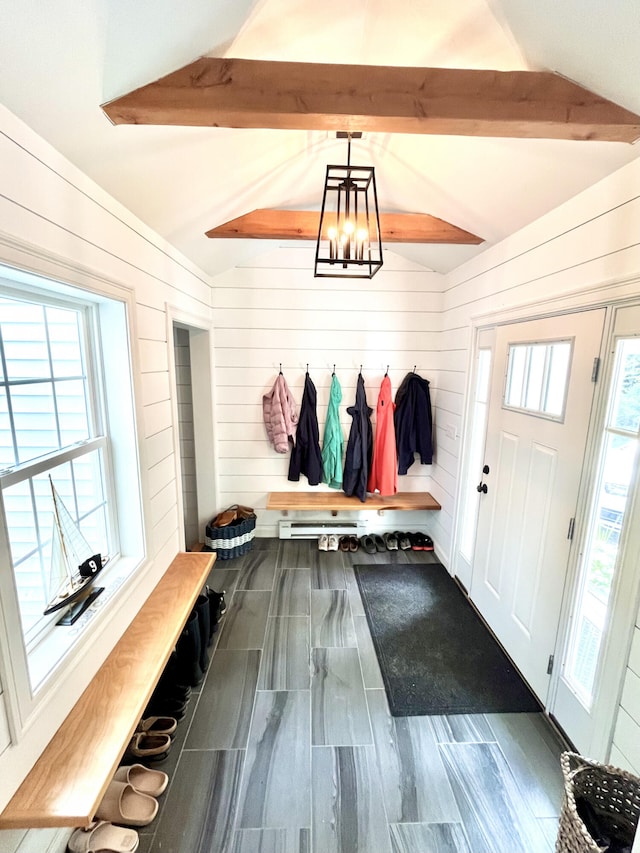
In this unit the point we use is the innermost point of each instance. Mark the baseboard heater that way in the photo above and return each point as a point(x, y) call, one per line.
point(312, 529)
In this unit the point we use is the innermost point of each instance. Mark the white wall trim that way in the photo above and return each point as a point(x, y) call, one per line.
point(622, 291)
point(201, 344)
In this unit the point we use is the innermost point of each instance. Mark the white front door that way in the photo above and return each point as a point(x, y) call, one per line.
point(539, 411)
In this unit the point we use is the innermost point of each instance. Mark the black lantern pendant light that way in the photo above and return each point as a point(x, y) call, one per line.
point(349, 243)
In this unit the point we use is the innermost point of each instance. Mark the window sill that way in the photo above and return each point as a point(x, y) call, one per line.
point(47, 654)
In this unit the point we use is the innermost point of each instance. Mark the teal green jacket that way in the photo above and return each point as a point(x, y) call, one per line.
point(333, 441)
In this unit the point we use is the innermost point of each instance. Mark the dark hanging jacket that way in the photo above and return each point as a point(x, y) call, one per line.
point(306, 456)
point(412, 419)
point(357, 463)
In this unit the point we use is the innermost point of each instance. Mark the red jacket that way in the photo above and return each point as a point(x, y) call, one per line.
point(383, 476)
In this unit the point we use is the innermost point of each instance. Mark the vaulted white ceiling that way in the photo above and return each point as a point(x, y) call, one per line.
point(61, 59)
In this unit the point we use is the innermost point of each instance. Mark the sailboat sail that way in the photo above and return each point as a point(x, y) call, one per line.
point(73, 563)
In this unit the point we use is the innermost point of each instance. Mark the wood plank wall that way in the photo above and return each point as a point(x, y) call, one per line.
point(626, 738)
point(273, 311)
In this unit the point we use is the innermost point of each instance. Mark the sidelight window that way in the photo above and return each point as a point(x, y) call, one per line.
point(617, 463)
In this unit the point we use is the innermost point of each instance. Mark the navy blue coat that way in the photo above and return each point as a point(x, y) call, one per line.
point(306, 456)
point(413, 423)
point(357, 463)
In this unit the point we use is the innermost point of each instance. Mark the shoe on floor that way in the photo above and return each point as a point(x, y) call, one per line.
point(391, 541)
point(160, 706)
point(102, 835)
point(344, 543)
point(353, 544)
point(379, 543)
point(144, 747)
point(142, 779)
point(123, 804)
point(334, 543)
point(418, 542)
point(323, 542)
point(367, 544)
point(404, 541)
point(157, 725)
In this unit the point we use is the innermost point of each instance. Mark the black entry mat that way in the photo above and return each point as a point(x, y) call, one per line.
point(435, 654)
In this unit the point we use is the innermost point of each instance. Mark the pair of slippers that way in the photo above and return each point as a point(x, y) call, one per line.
point(103, 837)
point(372, 542)
point(152, 739)
point(131, 800)
point(131, 796)
point(148, 747)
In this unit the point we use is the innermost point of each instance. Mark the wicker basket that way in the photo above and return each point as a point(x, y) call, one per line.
point(233, 540)
point(613, 795)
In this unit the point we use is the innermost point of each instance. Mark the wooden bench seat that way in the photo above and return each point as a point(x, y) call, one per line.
point(337, 501)
point(67, 783)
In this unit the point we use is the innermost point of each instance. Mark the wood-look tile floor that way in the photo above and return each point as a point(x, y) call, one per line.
point(288, 745)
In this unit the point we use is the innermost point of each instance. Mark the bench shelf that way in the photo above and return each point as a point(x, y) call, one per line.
point(338, 501)
point(67, 783)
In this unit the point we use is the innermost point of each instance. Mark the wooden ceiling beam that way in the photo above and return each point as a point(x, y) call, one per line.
point(214, 92)
point(269, 224)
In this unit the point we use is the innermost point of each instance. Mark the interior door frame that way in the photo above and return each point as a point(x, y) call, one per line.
point(566, 304)
point(205, 438)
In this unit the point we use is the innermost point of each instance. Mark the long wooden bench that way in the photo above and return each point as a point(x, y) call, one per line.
point(337, 501)
point(67, 783)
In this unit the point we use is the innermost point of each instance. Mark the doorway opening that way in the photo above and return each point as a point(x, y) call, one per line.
point(184, 398)
point(194, 441)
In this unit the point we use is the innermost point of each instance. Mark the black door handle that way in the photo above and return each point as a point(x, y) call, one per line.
point(482, 487)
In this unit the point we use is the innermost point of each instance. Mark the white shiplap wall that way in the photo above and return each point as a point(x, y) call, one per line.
point(626, 738)
point(585, 252)
point(53, 217)
point(274, 312)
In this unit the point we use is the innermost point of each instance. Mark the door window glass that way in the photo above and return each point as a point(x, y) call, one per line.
point(537, 378)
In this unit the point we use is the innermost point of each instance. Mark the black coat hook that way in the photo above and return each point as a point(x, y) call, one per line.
point(307, 368)
point(386, 373)
point(334, 370)
point(280, 368)
point(414, 367)
point(360, 370)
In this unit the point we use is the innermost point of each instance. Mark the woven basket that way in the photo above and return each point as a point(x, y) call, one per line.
point(612, 794)
point(233, 540)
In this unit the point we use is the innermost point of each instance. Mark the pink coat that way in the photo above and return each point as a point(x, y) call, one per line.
point(280, 414)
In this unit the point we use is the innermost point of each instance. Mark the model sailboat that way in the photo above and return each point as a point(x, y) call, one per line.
point(73, 565)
